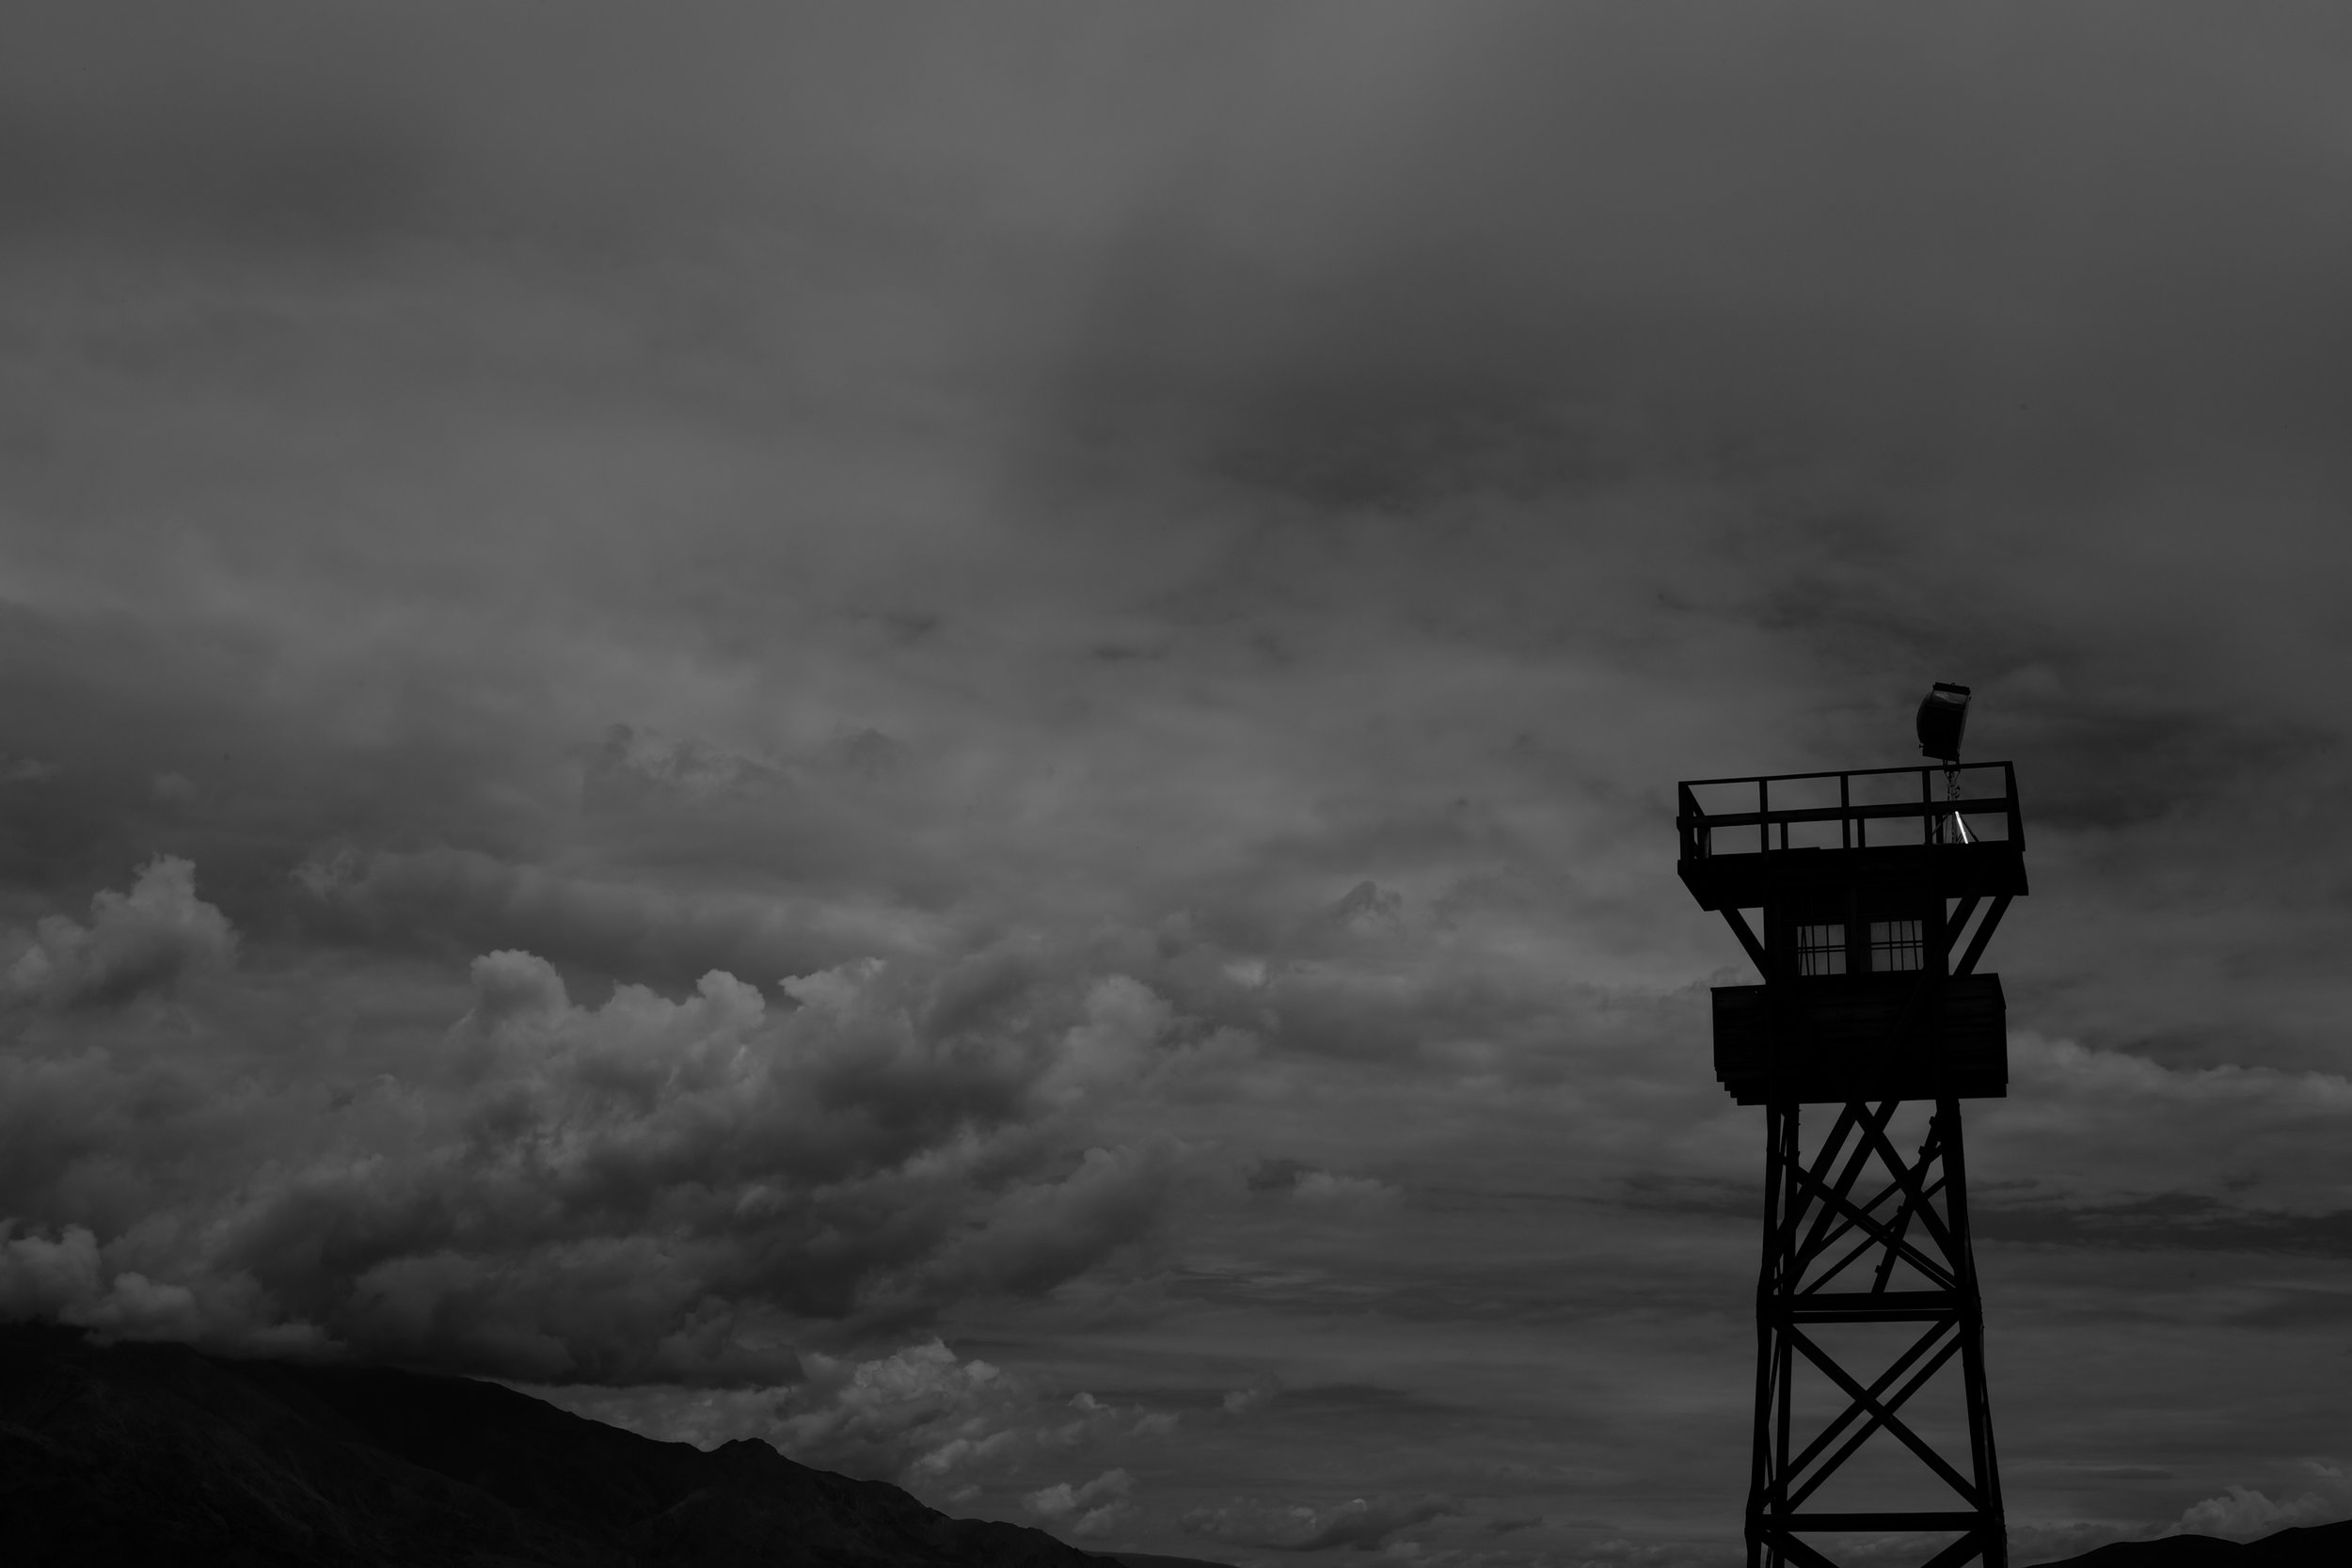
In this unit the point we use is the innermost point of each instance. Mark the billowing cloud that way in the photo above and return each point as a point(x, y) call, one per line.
point(65, 1280)
point(2244, 1514)
point(142, 941)
point(1241, 1401)
point(1085, 1510)
point(558, 1191)
point(918, 1409)
point(920, 1415)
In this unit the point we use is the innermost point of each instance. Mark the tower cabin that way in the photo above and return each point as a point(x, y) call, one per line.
point(1863, 884)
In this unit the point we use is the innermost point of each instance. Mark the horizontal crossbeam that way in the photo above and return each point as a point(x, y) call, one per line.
point(1865, 1306)
point(1959, 1519)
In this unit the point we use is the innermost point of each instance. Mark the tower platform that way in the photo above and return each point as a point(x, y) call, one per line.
point(1864, 883)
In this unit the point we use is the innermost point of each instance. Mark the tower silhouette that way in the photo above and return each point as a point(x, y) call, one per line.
point(1870, 1409)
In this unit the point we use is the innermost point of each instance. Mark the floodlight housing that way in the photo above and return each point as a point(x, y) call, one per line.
point(1943, 718)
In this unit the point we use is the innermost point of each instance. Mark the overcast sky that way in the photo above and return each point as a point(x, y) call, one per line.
point(948, 734)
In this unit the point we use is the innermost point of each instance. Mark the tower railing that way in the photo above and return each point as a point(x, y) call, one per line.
point(1890, 797)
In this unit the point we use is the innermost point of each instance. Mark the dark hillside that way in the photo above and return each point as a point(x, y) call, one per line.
point(129, 1454)
point(2319, 1547)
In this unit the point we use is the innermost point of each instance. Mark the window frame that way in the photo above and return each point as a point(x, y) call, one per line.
point(1821, 950)
point(1901, 938)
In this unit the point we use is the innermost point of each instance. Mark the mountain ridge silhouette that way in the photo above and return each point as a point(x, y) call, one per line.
point(2305, 1546)
point(131, 1452)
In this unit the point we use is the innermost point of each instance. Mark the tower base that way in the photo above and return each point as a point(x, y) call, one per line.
point(1867, 1305)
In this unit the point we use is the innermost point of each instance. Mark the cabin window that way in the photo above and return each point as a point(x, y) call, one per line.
point(1896, 945)
point(1822, 949)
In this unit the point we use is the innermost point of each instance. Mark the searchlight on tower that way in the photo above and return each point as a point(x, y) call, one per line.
point(1943, 719)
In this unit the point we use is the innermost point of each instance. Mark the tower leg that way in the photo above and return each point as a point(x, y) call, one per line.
point(1781, 1126)
point(1985, 1460)
point(1860, 1233)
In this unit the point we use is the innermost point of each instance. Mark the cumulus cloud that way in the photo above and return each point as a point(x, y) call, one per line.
point(1112, 1046)
point(143, 940)
point(1369, 910)
point(645, 1188)
point(2243, 1514)
point(1241, 1401)
point(1096, 1421)
point(919, 1410)
point(1317, 1188)
point(1083, 1510)
point(920, 1415)
point(67, 1281)
point(1361, 1523)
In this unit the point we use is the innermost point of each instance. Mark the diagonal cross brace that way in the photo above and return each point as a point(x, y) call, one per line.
point(1899, 1168)
point(1941, 1273)
point(1829, 1273)
point(1929, 1151)
point(1739, 928)
point(1915, 1196)
point(1842, 1229)
point(1967, 964)
point(1918, 1381)
point(1832, 1147)
point(1892, 1422)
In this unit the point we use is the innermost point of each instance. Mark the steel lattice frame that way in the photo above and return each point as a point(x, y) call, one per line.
point(1830, 1256)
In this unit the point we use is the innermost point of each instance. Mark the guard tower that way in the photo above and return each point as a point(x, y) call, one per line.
point(1871, 1411)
